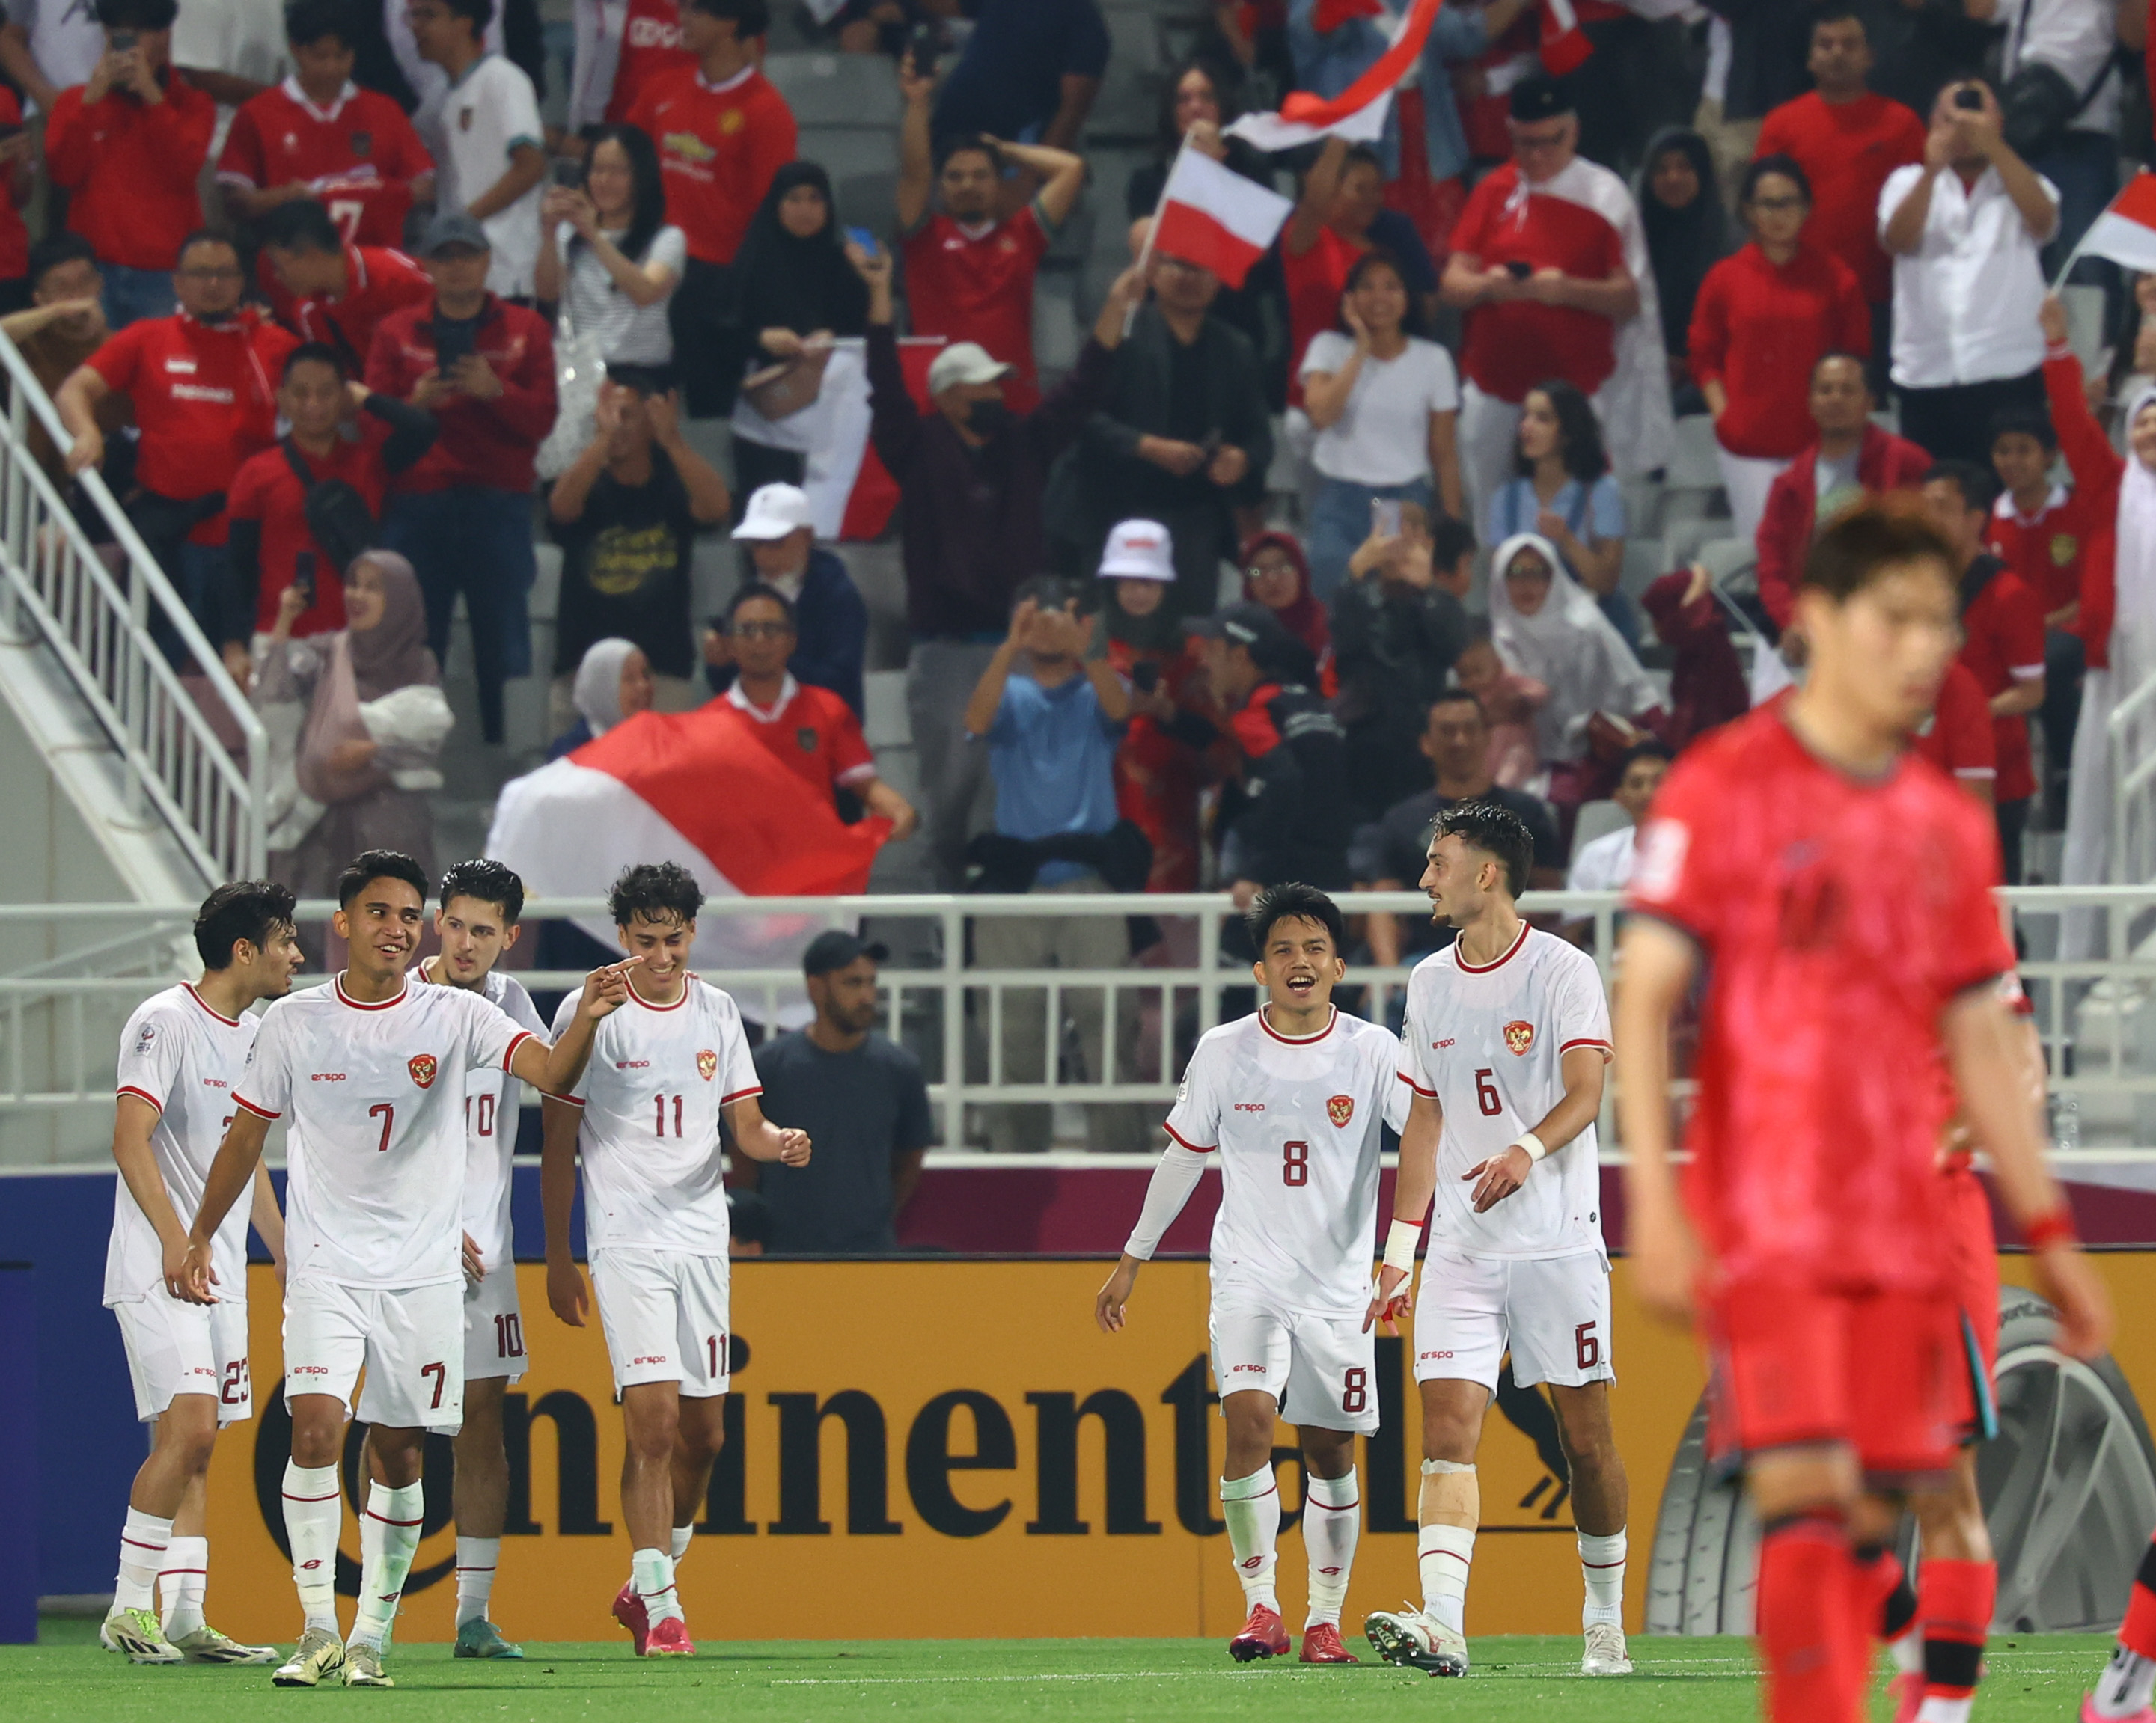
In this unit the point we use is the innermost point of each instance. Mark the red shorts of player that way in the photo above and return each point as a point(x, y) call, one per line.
point(1973, 1251)
point(1881, 1372)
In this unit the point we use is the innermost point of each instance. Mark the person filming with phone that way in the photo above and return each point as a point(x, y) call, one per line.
point(1965, 227)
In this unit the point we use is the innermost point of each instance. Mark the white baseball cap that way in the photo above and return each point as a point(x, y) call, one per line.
point(775, 510)
point(1138, 550)
point(962, 362)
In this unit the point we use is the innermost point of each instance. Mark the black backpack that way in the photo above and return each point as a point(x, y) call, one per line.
point(337, 514)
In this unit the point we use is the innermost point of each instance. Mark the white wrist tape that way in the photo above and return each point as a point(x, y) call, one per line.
point(1533, 1144)
point(1400, 1245)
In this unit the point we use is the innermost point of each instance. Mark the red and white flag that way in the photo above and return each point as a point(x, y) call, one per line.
point(2126, 232)
point(697, 788)
point(1212, 215)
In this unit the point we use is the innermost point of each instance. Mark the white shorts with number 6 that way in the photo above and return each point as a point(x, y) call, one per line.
point(409, 1340)
point(174, 1347)
point(665, 1314)
point(494, 1326)
point(1553, 1313)
point(1322, 1370)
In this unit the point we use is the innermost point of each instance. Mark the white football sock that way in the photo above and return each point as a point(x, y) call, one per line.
point(1907, 1652)
point(651, 1571)
point(682, 1533)
point(389, 1536)
point(1445, 1553)
point(2122, 1690)
point(142, 1544)
point(1601, 1566)
point(1937, 1707)
point(1332, 1521)
point(1251, 1507)
point(181, 1584)
point(314, 1515)
point(477, 1558)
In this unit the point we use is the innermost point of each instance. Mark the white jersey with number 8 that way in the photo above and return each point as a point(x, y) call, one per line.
point(1489, 1045)
point(1296, 1124)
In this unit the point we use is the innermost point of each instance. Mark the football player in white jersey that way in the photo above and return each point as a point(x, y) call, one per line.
point(1292, 1099)
point(372, 1071)
point(180, 1055)
point(1506, 1037)
point(665, 1070)
point(477, 922)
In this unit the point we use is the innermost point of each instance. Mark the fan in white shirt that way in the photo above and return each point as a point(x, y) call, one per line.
point(180, 1055)
point(372, 1071)
point(645, 1122)
point(1506, 1037)
point(1606, 863)
point(1293, 1100)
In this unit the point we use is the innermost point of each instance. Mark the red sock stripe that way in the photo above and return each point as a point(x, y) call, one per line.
point(386, 1520)
point(1455, 1554)
point(1333, 1507)
point(1595, 1567)
point(475, 1570)
point(332, 1496)
point(137, 1543)
point(168, 1572)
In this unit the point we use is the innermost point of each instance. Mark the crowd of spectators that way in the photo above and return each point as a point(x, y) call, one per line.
point(1249, 585)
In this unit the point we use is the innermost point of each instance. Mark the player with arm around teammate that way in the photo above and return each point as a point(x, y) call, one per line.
point(645, 1123)
point(1506, 1037)
point(371, 1073)
point(1293, 1100)
point(180, 1056)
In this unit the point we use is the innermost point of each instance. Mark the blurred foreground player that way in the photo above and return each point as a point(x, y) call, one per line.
point(665, 1070)
point(2121, 1694)
point(372, 1072)
point(1293, 1099)
point(1838, 896)
point(180, 1056)
point(1504, 1048)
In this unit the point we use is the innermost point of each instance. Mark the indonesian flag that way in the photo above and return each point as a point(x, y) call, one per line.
point(1211, 215)
point(2126, 232)
point(1305, 116)
point(697, 788)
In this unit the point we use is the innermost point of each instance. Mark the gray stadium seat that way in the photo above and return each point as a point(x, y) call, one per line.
point(1695, 467)
point(858, 89)
point(1597, 819)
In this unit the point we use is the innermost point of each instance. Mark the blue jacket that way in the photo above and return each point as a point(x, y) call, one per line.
point(834, 623)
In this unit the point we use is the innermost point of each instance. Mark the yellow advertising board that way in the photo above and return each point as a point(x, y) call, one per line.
point(952, 1449)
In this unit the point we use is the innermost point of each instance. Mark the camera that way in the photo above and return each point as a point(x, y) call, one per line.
point(1969, 99)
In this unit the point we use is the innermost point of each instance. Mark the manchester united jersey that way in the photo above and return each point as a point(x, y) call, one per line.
point(375, 1158)
point(649, 1142)
point(1837, 917)
point(491, 1100)
point(1298, 1124)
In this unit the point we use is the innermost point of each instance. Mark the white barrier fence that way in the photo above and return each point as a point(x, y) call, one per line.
point(1117, 1038)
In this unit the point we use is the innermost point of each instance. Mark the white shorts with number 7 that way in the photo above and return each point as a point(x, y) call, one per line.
point(410, 1340)
point(1551, 1313)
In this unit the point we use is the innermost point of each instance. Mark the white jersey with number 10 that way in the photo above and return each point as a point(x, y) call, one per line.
point(1297, 1126)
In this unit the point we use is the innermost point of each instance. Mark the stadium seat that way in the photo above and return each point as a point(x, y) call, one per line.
point(1597, 819)
point(852, 90)
point(1695, 467)
point(1646, 560)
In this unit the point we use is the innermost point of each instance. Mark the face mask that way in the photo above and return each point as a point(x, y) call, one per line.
point(985, 418)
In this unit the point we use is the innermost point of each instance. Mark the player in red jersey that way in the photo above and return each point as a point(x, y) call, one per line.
point(1838, 897)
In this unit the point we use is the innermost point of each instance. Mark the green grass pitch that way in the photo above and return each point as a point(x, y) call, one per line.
point(66, 1677)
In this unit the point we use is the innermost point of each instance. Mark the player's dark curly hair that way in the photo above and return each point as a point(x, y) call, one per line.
point(1495, 829)
point(657, 891)
point(1294, 902)
point(256, 910)
point(488, 882)
point(371, 864)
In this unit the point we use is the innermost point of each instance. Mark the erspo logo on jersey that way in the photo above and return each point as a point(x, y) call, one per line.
point(707, 1065)
point(1340, 1109)
point(423, 1067)
point(1519, 1037)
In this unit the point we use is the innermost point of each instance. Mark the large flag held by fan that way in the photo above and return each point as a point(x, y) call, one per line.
point(2126, 232)
point(697, 788)
point(1211, 215)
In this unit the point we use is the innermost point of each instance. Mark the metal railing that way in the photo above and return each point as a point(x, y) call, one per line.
point(2133, 753)
point(60, 1020)
point(55, 588)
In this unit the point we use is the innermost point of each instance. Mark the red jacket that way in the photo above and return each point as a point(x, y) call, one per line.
point(2097, 469)
point(490, 443)
point(1884, 461)
point(1758, 328)
point(132, 168)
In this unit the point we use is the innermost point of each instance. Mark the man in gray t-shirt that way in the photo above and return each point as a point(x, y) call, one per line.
point(862, 1098)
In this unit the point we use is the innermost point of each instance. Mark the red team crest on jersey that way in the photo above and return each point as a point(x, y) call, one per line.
point(423, 1067)
point(1340, 1109)
point(1519, 1037)
point(707, 1065)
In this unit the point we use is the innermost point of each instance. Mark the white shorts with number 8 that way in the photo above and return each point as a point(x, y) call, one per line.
point(1551, 1313)
point(1322, 1370)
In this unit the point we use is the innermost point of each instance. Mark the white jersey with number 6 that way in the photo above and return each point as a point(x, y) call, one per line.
point(376, 1156)
point(649, 1142)
point(1489, 1045)
point(490, 1107)
point(1297, 1123)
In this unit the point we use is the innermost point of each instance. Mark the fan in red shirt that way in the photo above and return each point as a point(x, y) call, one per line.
point(20, 171)
point(1957, 737)
point(329, 291)
point(272, 545)
point(620, 49)
point(969, 274)
point(1847, 140)
point(318, 135)
point(1836, 896)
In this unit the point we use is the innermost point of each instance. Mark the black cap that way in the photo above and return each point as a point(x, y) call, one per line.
point(1539, 97)
point(1249, 623)
point(835, 949)
point(453, 228)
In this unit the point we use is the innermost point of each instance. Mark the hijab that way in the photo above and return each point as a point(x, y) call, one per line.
point(394, 653)
point(1682, 244)
point(783, 282)
point(598, 694)
point(1570, 647)
point(1302, 616)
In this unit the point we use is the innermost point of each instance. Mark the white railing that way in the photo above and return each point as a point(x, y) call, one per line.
point(55, 589)
point(60, 1021)
point(2132, 754)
